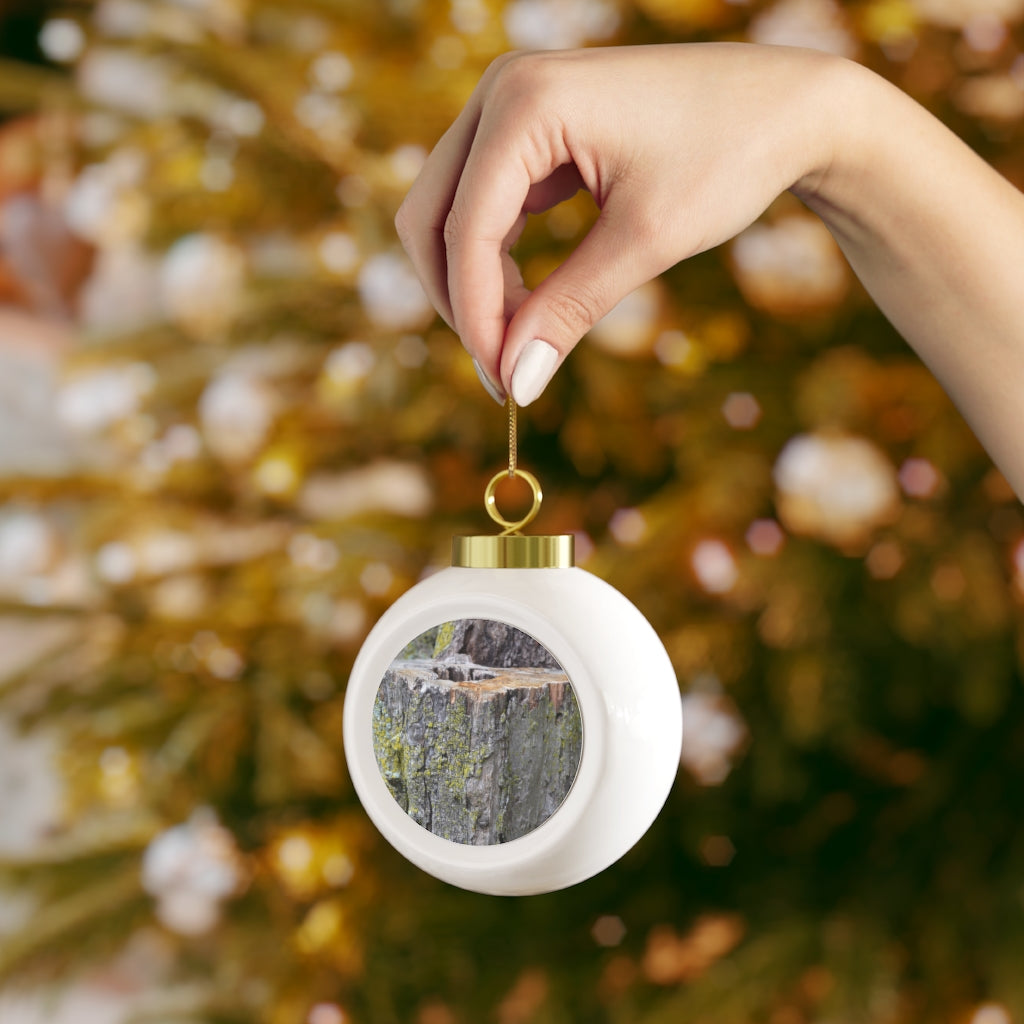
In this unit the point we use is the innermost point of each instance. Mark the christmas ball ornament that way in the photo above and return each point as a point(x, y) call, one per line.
point(512, 723)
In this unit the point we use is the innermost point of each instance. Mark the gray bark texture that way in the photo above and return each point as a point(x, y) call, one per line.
point(493, 643)
point(478, 754)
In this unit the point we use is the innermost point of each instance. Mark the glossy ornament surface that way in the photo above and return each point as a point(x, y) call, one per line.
point(628, 701)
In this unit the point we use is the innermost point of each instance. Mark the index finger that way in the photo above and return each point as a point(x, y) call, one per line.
point(421, 217)
point(503, 165)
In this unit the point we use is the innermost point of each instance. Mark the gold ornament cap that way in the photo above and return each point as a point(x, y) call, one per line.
point(510, 549)
point(513, 551)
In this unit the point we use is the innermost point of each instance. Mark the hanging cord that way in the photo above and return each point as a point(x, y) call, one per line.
point(512, 527)
point(513, 436)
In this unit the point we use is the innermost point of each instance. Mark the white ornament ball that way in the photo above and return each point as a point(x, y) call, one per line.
point(628, 704)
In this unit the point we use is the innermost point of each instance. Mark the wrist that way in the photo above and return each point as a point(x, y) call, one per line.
point(844, 105)
point(882, 161)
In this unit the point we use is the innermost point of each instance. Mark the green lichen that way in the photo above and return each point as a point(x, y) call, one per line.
point(445, 635)
point(388, 748)
point(421, 647)
point(536, 745)
point(389, 753)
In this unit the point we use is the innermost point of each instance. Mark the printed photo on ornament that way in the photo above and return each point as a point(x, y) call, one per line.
point(477, 731)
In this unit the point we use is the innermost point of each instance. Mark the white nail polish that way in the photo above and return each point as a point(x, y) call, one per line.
point(534, 369)
point(489, 386)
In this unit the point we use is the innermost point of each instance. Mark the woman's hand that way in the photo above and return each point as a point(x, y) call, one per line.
point(680, 146)
point(684, 146)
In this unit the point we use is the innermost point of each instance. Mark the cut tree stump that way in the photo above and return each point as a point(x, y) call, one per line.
point(477, 753)
point(492, 643)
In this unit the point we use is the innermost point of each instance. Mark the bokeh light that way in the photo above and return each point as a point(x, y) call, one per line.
point(233, 430)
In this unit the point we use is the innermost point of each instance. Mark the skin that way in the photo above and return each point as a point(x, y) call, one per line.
point(682, 147)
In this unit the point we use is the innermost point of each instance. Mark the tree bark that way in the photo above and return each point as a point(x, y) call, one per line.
point(493, 643)
point(477, 754)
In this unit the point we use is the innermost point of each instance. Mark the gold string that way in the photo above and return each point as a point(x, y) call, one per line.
point(512, 527)
point(513, 439)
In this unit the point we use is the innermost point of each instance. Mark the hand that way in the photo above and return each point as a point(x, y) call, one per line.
point(681, 147)
point(684, 146)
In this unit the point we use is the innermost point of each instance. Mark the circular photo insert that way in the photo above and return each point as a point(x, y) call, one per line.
point(476, 731)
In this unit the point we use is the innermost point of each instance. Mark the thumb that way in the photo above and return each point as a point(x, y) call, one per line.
point(607, 265)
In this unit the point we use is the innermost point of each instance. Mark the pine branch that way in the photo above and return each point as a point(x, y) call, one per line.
point(69, 925)
point(23, 85)
point(62, 643)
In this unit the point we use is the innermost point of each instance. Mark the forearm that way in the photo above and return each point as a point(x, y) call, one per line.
point(937, 238)
point(683, 147)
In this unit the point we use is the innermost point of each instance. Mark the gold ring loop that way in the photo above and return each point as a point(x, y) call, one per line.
point(491, 504)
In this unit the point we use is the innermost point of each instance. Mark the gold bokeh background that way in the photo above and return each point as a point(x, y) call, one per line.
point(234, 432)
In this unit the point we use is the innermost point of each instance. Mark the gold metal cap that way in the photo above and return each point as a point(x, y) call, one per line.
point(513, 551)
point(510, 549)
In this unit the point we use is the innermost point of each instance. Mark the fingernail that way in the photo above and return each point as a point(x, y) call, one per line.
point(534, 369)
point(489, 386)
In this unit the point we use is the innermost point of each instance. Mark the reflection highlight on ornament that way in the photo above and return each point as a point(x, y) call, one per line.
point(477, 732)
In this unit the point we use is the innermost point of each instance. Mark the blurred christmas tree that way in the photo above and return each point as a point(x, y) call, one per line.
point(265, 437)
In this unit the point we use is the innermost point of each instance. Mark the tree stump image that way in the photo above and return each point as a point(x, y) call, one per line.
point(479, 741)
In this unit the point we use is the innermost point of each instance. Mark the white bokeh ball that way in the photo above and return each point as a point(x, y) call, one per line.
point(392, 295)
point(202, 280)
point(836, 487)
point(190, 870)
point(236, 412)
